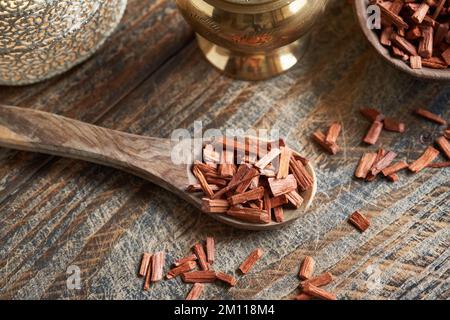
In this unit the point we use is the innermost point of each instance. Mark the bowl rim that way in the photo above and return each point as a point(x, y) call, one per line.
point(424, 73)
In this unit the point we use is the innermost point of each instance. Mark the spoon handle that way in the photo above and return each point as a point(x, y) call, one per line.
point(37, 131)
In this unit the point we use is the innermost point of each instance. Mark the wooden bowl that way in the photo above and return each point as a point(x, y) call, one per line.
point(360, 7)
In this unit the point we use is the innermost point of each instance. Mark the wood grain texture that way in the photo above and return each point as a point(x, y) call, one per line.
point(57, 213)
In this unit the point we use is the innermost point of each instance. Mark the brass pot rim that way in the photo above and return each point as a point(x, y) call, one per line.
point(249, 6)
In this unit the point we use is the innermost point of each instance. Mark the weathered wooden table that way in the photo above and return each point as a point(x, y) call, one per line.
point(150, 79)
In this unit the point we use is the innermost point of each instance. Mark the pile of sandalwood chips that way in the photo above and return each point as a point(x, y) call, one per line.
point(195, 268)
point(373, 163)
point(251, 179)
point(310, 286)
point(416, 31)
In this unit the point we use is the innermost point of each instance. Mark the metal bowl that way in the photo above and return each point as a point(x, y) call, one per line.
point(43, 38)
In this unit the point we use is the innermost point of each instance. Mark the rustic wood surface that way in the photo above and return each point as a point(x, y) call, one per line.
point(150, 79)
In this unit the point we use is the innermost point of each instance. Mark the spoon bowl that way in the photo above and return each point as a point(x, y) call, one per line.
point(147, 157)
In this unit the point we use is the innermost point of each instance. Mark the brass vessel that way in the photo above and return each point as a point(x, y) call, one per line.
point(252, 39)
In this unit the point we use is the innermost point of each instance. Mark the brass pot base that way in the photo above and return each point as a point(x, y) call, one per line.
point(253, 66)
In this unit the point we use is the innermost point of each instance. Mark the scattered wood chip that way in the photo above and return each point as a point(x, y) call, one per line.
point(443, 143)
point(430, 116)
point(268, 158)
point(203, 183)
point(198, 188)
point(372, 114)
point(234, 185)
point(226, 278)
point(279, 201)
point(227, 168)
point(384, 162)
point(215, 205)
point(447, 134)
point(249, 215)
point(267, 204)
point(247, 180)
point(303, 297)
point(282, 186)
point(251, 261)
point(157, 265)
point(421, 12)
point(285, 158)
point(239, 198)
point(365, 164)
point(317, 292)
point(210, 249)
point(391, 124)
point(415, 63)
point(185, 267)
point(380, 154)
point(374, 132)
point(393, 177)
point(307, 268)
point(427, 157)
point(201, 256)
point(359, 221)
point(145, 261)
point(319, 137)
point(304, 180)
point(396, 167)
point(295, 199)
point(439, 165)
point(333, 133)
point(179, 262)
point(148, 276)
point(279, 214)
point(319, 281)
point(196, 291)
point(199, 276)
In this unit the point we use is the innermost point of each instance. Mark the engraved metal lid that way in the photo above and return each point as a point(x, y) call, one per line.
point(12, 7)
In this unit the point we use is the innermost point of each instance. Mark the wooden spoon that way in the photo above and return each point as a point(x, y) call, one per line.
point(146, 157)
